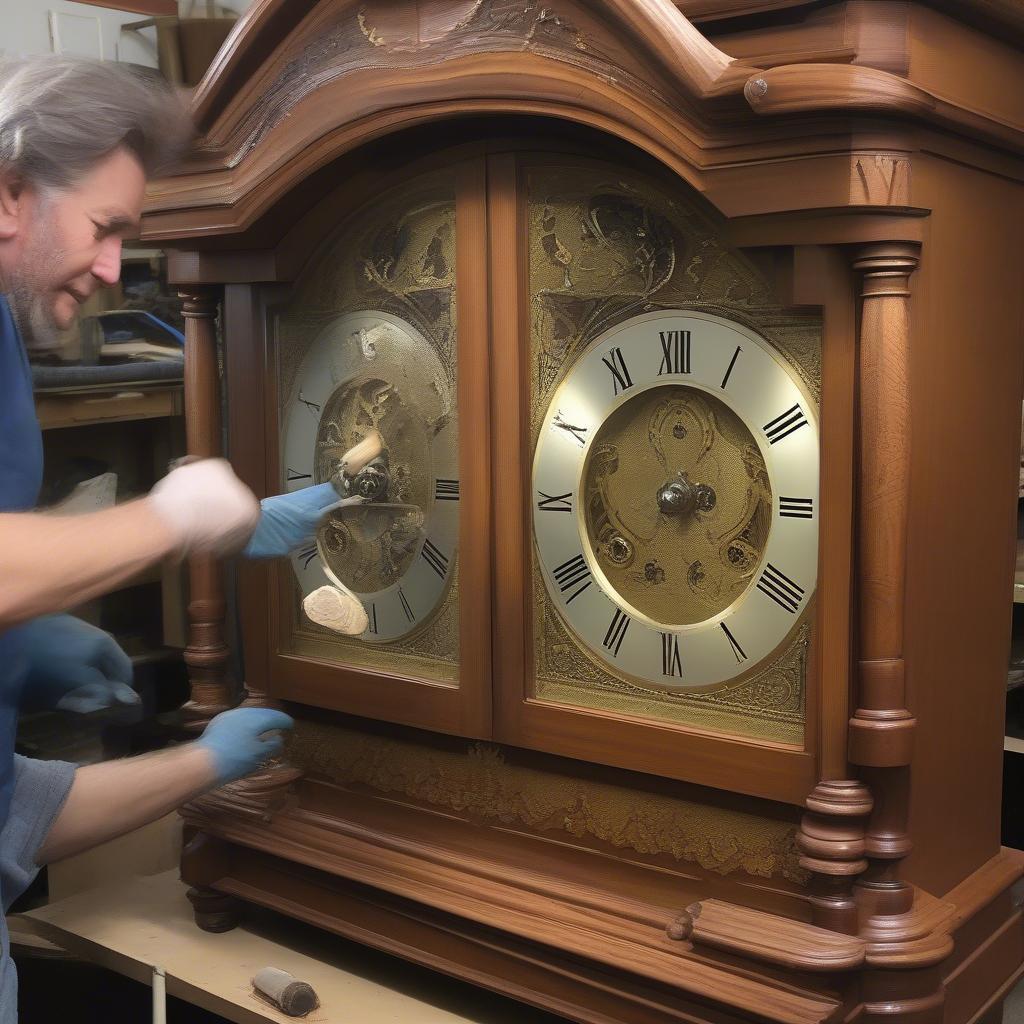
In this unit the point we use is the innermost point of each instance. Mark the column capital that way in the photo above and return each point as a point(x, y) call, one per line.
point(882, 256)
point(886, 268)
point(198, 302)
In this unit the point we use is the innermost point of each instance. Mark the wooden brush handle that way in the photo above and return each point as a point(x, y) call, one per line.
point(362, 454)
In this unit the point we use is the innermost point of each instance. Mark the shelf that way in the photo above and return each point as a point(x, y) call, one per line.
point(57, 411)
point(163, 8)
point(128, 254)
point(1013, 744)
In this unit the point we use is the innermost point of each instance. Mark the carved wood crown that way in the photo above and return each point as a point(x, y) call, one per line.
point(299, 82)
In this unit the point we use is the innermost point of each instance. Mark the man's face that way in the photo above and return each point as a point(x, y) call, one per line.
point(68, 244)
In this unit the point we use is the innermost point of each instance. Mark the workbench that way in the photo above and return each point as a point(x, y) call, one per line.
point(122, 907)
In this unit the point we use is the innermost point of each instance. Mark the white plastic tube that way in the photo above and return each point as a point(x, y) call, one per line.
point(159, 996)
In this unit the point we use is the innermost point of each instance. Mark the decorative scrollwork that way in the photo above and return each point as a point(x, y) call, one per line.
point(481, 783)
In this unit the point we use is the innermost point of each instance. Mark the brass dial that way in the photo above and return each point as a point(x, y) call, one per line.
point(683, 457)
point(370, 547)
point(371, 371)
point(677, 504)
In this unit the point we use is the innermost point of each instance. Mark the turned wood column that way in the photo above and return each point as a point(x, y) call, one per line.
point(832, 847)
point(207, 653)
point(882, 728)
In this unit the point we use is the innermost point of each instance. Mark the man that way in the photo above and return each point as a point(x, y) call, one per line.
point(78, 140)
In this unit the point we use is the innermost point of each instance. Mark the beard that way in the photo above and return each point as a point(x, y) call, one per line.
point(38, 329)
point(30, 294)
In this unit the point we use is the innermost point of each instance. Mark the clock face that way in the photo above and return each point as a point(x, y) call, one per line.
point(675, 499)
point(366, 371)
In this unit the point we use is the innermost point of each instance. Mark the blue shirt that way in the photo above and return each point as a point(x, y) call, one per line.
point(21, 475)
point(39, 791)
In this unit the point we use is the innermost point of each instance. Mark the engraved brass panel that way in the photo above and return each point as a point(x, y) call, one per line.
point(603, 248)
point(396, 255)
point(481, 783)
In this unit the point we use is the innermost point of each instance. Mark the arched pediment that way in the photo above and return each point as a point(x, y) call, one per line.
point(325, 37)
point(301, 82)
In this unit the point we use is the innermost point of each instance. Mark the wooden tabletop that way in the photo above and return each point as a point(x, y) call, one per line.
point(135, 924)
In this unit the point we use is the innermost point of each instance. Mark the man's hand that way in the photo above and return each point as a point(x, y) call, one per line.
point(241, 740)
point(209, 509)
point(287, 521)
point(73, 666)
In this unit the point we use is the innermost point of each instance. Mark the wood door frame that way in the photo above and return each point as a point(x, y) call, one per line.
point(759, 768)
point(462, 709)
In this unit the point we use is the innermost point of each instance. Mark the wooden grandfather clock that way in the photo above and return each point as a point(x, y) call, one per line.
point(693, 334)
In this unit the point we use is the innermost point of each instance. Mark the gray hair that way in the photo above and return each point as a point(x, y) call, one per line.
point(60, 116)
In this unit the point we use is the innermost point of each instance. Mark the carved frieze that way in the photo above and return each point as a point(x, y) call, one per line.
point(481, 783)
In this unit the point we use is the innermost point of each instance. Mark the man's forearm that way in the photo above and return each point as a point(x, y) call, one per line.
point(107, 800)
point(51, 563)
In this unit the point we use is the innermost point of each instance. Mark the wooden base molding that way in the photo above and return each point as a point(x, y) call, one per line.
point(771, 939)
point(920, 938)
point(593, 956)
point(393, 886)
point(533, 973)
point(922, 1010)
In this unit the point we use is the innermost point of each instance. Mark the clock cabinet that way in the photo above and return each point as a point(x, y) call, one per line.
point(692, 334)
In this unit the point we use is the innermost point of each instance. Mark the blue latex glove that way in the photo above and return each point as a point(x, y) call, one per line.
point(73, 666)
point(236, 740)
point(287, 521)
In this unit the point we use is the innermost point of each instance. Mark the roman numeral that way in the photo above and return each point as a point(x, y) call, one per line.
point(780, 588)
point(621, 380)
point(782, 426)
point(796, 508)
point(732, 363)
point(738, 651)
point(570, 574)
point(554, 503)
point(616, 632)
point(311, 406)
point(675, 352)
point(671, 665)
point(293, 475)
point(579, 434)
point(405, 605)
point(307, 555)
point(446, 490)
point(436, 559)
point(372, 628)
